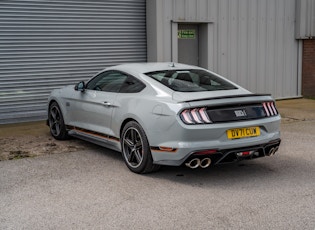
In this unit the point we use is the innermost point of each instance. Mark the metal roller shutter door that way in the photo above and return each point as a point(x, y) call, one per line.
point(48, 44)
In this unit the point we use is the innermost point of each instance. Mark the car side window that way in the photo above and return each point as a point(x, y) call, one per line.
point(132, 85)
point(108, 81)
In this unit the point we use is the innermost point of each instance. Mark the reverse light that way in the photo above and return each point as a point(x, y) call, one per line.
point(246, 153)
point(195, 116)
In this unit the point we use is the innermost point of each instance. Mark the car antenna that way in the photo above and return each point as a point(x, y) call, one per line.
point(172, 64)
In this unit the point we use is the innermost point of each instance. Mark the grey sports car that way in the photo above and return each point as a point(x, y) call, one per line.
point(166, 114)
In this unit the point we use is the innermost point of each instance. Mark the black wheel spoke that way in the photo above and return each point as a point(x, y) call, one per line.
point(138, 145)
point(53, 114)
point(133, 136)
point(130, 155)
point(128, 142)
point(138, 156)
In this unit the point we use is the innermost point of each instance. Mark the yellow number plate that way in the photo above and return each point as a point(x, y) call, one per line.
point(243, 132)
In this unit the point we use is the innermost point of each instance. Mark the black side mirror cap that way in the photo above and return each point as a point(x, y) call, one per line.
point(80, 86)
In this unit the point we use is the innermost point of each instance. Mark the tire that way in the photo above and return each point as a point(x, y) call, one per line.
point(56, 122)
point(136, 150)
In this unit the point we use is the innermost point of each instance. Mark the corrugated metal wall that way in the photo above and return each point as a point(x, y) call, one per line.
point(253, 42)
point(305, 19)
point(257, 46)
point(48, 44)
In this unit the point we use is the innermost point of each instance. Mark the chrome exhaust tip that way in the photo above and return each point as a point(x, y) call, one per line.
point(275, 150)
point(205, 162)
point(271, 151)
point(193, 163)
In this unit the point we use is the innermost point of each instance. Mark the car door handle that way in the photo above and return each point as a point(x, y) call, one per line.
point(106, 103)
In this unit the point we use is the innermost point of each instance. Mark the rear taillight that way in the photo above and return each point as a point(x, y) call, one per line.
point(195, 116)
point(270, 108)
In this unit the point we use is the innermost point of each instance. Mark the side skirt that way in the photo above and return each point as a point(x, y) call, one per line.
point(96, 138)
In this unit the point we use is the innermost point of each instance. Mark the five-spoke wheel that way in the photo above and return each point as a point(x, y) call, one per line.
point(136, 150)
point(56, 122)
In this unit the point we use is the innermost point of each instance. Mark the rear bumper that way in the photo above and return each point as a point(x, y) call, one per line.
point(252, 152)
point(186, 140)
point(229, 155)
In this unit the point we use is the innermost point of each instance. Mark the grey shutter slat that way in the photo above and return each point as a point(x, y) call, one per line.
point(48, 44)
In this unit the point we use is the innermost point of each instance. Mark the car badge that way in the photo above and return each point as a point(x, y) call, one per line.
point(240, 113)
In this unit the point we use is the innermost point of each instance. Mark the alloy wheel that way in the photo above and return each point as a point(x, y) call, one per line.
point(55, 120)
point(133, 147)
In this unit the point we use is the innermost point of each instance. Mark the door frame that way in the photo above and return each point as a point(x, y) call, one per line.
point(206, 43)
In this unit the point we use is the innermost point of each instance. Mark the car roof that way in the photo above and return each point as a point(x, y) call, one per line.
point(141, 68)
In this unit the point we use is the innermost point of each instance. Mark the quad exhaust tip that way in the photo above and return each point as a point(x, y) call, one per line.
point(272, 151)
point(196, 162)
point(206, 162)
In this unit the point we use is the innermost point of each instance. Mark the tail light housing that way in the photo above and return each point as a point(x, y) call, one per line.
point(195, 116)
point(270, 109)
point(228, 113)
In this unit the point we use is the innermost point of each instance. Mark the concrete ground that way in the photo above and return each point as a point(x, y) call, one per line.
point(93, 189)
point(297, 109)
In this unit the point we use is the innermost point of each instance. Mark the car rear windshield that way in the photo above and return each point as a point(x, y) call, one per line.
point(191, 80)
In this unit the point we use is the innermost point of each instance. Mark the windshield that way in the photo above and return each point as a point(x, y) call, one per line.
point(192, 80)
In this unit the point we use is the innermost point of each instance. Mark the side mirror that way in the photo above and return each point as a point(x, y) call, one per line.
point(80, 86)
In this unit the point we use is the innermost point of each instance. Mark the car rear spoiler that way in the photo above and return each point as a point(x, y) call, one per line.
point(230, 96)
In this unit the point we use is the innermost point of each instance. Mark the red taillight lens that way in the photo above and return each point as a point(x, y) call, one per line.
point(186, 117)
point(195, 116)
point(270, 108)
point(206, 152)
point(204, 115)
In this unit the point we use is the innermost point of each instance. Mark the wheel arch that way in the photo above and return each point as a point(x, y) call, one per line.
point(135, 119)
point(61, 106)
point(123, 124)
point(52, 101)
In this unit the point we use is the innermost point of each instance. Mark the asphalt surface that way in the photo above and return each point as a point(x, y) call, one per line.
point(93, 189)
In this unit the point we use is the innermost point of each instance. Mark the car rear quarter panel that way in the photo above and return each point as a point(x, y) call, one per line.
point(155, 115)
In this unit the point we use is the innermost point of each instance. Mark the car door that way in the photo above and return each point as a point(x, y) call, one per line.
point(92, 109)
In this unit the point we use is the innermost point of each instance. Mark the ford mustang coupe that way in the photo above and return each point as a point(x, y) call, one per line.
point(166, 114)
